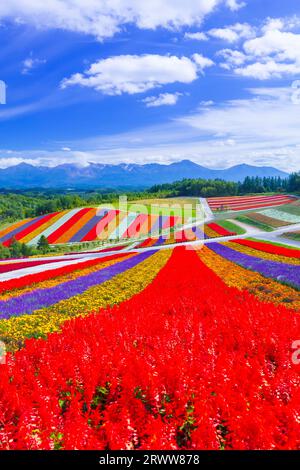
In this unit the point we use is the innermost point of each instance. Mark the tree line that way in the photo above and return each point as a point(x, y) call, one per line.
point(215, 188)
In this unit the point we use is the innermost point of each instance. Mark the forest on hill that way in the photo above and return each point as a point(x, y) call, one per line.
point(215, 188)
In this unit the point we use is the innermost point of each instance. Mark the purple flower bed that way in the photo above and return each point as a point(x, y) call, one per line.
point(41, 298)
point(160, 241)
point(78, 236)
point(282, 272)
point(199, 233)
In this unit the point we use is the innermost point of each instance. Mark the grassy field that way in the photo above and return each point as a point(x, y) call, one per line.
point(167, 207)
point(231, 227)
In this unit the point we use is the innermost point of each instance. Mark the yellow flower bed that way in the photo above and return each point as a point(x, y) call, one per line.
point(122, 287)
point(261, 254)
point(265, 289)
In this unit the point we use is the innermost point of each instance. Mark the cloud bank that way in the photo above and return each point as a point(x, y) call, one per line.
point(105, 18)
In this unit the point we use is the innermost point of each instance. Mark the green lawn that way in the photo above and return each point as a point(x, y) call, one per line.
point(177, 207)
point(231, 227)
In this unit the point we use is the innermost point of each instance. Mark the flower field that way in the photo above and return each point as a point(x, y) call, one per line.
point(150, 344)
point(266, 220)
point(240, 203)
point(193, 234)
point(282, 216)
point(85, 225)
point(166, 349)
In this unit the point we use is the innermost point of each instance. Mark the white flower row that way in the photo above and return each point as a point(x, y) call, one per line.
point(280, 215)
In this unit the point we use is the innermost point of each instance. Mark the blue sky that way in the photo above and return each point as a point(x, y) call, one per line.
point(110, 81)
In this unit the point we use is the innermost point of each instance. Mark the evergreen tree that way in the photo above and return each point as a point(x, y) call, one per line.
point(15, 248)
point(43, 244)
point(4, 252)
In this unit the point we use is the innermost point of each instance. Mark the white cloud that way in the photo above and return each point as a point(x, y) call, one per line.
point(225, 34)
point(225, 143)
point(283, 24)
point(31, 63)
point(274, 53)
point(13, 161)
point(269, 116)
point(282, 45)
point(136, 74)
point(273, 23)
point(202, 62)
point(233, 33)
point(235, 5)
point(104, 18)
point(206, 104)
point(164, 99)
point(232, 58)
point(199, 36)
point(269, 69)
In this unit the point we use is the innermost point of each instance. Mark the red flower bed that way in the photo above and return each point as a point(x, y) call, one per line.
point(220, 230)
point(248, 202)
point(30, 279)
point(112, 248)
point(269, 248)
point(187, 364)
point(145, 243)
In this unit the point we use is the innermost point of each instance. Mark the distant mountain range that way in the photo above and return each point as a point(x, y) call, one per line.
point(126, 176)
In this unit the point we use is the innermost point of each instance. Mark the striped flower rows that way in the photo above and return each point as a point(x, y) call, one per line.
point(40, 298)
point(282, 272)
point(261, 254)
point(193, 234)
point(20, 279)
point(265, 247)
point(248, 202)
point(266, 220)
point(85, 225)
point(266, 289)
point(37, 312)
point(281, 215)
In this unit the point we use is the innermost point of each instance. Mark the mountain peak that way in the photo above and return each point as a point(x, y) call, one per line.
point(185, 163)
point(125, 175)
